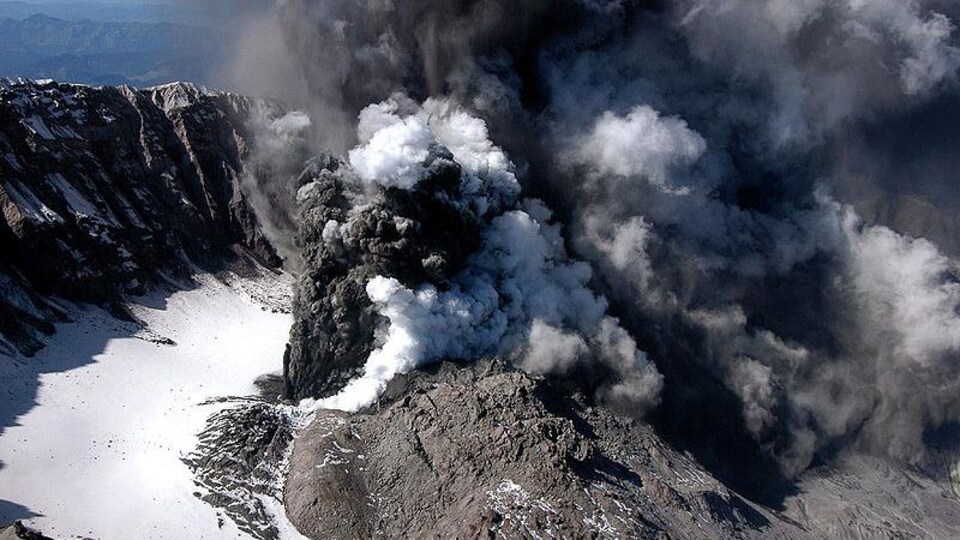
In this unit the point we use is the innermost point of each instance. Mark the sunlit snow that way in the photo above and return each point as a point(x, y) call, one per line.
point(99, 452)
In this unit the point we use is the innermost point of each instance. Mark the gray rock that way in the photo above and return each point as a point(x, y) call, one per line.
point(489, 452)
point(105, 189)
point(238, 463)
point(468, 451)
point(19, 531)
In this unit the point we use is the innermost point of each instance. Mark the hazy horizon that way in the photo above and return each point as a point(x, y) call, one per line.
point(110, 42)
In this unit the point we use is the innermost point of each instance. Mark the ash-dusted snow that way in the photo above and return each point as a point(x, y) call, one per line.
point(99, 453)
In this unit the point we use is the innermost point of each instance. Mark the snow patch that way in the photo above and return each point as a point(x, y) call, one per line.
point(79, 205)
point(98, 453)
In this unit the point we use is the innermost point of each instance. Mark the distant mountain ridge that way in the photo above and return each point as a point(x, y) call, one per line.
point(106, 11)
point(107, 53)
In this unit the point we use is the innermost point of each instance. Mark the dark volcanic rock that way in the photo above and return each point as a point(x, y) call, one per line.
point(103, 189)
point(19, 531)
point(349, 235)
point(484, 452)
point(238, 463)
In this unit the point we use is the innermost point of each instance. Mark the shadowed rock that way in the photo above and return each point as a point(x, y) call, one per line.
point(105, 190)
point(347, 236)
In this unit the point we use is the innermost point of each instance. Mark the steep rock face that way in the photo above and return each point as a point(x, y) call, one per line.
point(346, 237)
point(18, 531)
point(105, 189)
point(483, 451)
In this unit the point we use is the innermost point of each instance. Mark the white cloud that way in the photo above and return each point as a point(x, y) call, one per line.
point(905, 286)
point(396, 137)
point(640, 144)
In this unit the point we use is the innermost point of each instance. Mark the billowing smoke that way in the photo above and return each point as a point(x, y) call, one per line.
point(519, 296)
point(280, 150)
point(696, 152)
point(822, 61)
point(641, 144)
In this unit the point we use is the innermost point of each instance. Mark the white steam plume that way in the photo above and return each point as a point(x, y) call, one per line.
point(519, 296)
point(641, 144)
point(395, 139)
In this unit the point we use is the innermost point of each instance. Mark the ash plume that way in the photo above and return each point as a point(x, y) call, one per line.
point(519, 295)
point(701, 155)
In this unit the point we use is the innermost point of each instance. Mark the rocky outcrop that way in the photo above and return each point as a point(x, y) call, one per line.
point(105, 190)
point(482, 450)
point(485, 451)
point(238, 464)
point(347, 235)
point(19, 531)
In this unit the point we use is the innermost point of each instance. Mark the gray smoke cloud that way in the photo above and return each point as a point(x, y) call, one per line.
point(823, 62)
point(280, 150)
point(520, 296)
point(699, 153)
point(692, 246)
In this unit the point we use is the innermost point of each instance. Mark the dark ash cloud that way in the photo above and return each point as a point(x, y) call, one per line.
point(704, 156)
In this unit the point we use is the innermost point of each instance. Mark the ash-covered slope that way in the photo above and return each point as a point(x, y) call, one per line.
point(105, 190)
point(486, 451)
point(480, 451)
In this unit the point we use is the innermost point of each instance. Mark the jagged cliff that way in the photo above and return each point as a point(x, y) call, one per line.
point(104, 190)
